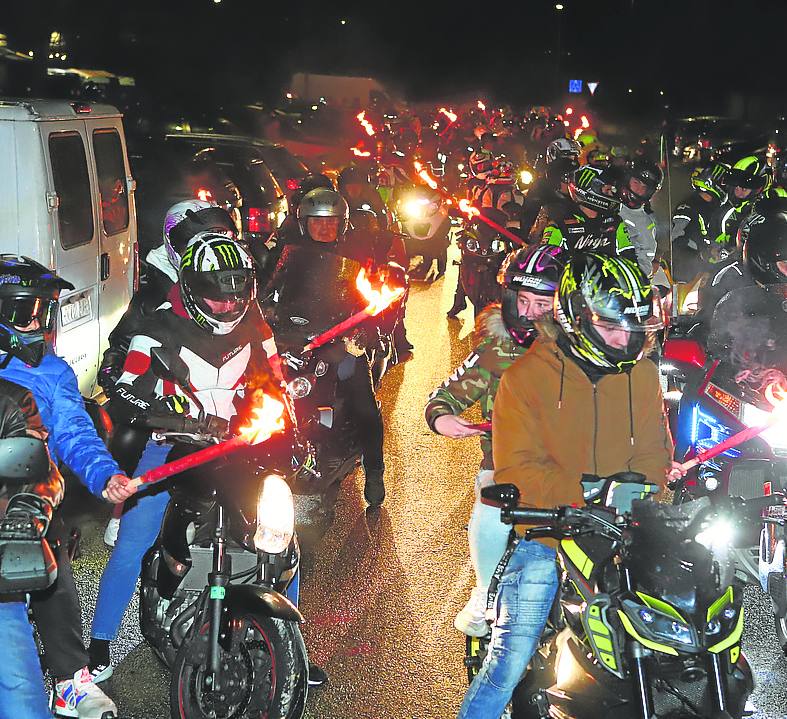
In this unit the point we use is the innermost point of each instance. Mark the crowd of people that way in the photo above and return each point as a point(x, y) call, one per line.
point(581, 303)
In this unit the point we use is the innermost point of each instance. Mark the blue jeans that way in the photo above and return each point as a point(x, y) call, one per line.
point(486, 534)
point(139, 527)
point(524, 599)
point(22, 692)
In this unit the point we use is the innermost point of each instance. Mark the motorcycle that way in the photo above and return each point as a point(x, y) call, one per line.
point(212, 601)
point(721, 375)
point(483, 251)
point(650, 614)
point(501, 186)
point(426, 225)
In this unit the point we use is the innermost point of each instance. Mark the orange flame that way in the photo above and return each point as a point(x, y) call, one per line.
point(358, 152)
point(423, 173)
point(361, 116)
point(468, 209)
point(268, 419)
point(450, 115)
point(776, 394)
point(481, 105)
point(378, 299)
point(585, 122)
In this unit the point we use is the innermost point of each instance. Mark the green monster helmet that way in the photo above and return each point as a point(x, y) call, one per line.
point(599, 291)
point(750, 172)
point(711, 179)
point(216, 282)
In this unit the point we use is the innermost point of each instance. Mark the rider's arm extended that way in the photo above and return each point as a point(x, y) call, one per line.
point(466, 385)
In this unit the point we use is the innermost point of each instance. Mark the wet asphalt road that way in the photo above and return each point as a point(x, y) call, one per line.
point(380, 594)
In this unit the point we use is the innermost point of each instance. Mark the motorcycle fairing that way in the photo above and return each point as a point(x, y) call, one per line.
point(602, 636)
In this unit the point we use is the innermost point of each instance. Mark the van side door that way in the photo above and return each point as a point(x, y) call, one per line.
point(75, 252)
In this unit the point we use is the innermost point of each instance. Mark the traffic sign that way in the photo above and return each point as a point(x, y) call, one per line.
point(575, 86)
point(592, 87)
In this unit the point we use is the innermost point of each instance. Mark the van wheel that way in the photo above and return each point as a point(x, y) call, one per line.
point(781, 632)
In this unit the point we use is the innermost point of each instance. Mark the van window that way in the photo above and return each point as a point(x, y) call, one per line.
point(72, 185)
point(111, 180)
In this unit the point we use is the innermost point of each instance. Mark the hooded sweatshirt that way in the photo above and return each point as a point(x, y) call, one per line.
point(476, 379)
point(551, 425)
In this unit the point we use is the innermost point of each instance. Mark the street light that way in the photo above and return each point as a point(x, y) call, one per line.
point(558, 6)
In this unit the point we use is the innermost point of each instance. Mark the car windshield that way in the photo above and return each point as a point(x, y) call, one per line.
point(283, 164)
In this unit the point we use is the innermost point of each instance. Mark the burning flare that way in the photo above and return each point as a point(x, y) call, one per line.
point(378, 299)
point(268, 419)
point(481, 105)
point(450, 115)
point(358, 152)
point(777, 396)
point(423, 173)
point(468, 209)
point(361, 116)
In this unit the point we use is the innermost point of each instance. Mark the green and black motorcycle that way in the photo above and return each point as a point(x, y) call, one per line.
point(648, 619)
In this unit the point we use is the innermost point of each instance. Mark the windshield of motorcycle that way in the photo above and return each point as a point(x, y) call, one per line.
point(316, 290)
point(749, 330)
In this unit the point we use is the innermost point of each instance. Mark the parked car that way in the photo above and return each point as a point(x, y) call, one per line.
point(68, 202)
point(286, 168)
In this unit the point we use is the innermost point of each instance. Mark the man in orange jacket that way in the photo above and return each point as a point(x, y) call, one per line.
point(583, 400)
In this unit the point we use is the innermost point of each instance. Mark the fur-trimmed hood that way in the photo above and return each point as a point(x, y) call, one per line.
point(489, 323)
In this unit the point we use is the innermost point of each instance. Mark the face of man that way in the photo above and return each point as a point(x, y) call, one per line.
point(323, 229)
point(531, 305)
point(613, 334)
point(741, 192)
point(638, 187)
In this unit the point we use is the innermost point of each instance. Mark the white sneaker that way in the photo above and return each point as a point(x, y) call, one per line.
point(111, 532)
point(471, 620)
point(80, 697)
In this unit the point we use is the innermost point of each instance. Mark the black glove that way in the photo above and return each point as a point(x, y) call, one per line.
point(111, 369)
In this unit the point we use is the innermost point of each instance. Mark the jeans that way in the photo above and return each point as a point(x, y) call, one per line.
point(525, 595)
point(486, 534)
point(139, 527)
point(22, 692)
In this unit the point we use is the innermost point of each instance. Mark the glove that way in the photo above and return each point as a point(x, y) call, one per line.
point(617, 491)
point(171, 404)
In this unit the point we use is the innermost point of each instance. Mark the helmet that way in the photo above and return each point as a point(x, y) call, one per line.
point(750, 173)
point(311, 182)
point(649, 174)
point(613, 290)
point(599, 157)
point(323, 203)
point(712, 180)
point(535, 269)
point(364, 220)
point(562, 148)
point(588, 187)
point(216, 282)
point(764, 237)
point(28, 291)
point(185, 219)
point(352, 174)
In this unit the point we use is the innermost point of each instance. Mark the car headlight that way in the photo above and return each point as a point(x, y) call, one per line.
point(299, 388)
point(775, 436)
point(275, 516)
point(659, 627)
point(498, 246)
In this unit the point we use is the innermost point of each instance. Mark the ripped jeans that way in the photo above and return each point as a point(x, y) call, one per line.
point(524, 599)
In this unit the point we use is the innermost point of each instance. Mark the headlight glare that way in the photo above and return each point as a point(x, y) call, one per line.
point(275, 516)
point(299, 388)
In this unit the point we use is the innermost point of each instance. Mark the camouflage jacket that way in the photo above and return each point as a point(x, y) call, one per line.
point(476, 379)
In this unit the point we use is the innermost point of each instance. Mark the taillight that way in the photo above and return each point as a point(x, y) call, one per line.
point(258, 220)
point(292, 183)
point(685, 351)
point(704, 143)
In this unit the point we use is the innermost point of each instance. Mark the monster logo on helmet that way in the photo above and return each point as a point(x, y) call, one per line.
point(588, 188)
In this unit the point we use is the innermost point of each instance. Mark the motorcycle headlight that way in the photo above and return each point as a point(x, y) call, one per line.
point(525, 177)
point(472, 245)
point(415, 208)
point(658, 628)
point(299, 388)
point(275, 516)
point(320, 368)
point(498, 246)
point(717, 535)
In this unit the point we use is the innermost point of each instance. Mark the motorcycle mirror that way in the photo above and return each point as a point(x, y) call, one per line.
point(23, 459)
point(501, 495)
point(168, 366)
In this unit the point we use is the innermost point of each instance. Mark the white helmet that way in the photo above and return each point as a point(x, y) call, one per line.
point(216, 282)
point(187, 218)
point(562, 148)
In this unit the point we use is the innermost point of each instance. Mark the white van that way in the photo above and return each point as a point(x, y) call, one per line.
point(67, 201)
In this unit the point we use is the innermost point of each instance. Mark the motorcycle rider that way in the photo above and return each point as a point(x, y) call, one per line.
point(587, 374)
point(691, 221)
point(356, 188)
point(29, 295)
point(559, 162)
point(323, 217)
point(481, 164)
point(209, 318)
point(21, 682)
point(591, 222)
point(528, 279)
point(639, 181)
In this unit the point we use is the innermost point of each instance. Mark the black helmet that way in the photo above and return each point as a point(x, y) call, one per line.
point(590, 188)
point(648, 174)
point(352, 174)
point(28, 291)
point(750, 173)
point(614, 290)
point(312, 181)
point(535, 269)
point(764, 238)
point(711, 180)
point(364, 220)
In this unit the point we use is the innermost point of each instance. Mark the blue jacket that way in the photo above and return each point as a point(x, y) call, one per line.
point(72, 436)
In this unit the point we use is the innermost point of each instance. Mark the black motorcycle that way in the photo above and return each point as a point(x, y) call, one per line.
point(649, 615)
point(483, 250)
point(212, 602)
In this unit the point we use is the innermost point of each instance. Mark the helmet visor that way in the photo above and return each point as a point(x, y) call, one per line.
point(21, 312)
point(223, 294)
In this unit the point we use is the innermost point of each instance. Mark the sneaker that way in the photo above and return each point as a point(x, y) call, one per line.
point(100, 672)
point(317, 676)
point(471, 620)
point(80, 697)
point(374, 488)
point(111, 532)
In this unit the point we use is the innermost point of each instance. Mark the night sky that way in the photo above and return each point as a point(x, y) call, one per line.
point(695, 51)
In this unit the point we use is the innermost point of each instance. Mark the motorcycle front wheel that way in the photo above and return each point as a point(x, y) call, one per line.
point(263, 676)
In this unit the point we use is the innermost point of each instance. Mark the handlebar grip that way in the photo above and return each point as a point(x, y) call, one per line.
point(525, 515)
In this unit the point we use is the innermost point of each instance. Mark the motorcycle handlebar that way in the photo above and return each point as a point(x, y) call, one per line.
point(528, 515)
